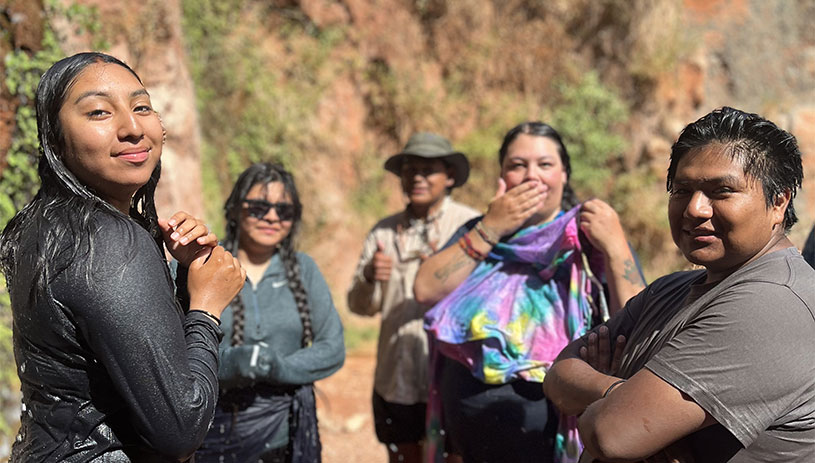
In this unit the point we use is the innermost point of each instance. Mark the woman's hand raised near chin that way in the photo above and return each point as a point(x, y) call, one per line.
point(215, 278)
point(185, 236)
point(508, 210)
point(601, 225)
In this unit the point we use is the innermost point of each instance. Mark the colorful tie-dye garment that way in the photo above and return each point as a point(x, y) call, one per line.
point(513, 315)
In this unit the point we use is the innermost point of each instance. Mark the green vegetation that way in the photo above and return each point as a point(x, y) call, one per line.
point(359, 336)
point(256, 103)
point(586, 117)
point(19, 181)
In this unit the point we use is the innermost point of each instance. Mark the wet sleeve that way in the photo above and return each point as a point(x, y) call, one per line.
point(163, 366)
point(365, 297)
point(327, 353)
point(746, 359)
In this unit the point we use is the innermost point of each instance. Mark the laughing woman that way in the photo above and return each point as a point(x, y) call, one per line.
point(112, 367)
point(282, 332)
point(512, 290)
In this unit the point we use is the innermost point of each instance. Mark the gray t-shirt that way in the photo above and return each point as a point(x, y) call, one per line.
point(743, 349)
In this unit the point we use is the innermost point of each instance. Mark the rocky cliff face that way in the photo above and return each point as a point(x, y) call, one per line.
point(459, 68)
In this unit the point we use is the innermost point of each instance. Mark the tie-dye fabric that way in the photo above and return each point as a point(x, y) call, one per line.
point(514, 314)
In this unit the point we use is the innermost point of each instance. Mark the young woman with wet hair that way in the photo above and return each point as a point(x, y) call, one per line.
point(282, 331)
point(512, 288)
point(114, 363)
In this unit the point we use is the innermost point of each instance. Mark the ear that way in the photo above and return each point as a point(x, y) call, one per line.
point(779, 207)
point(451, 177)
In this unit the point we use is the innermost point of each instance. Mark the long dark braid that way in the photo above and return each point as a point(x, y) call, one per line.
point(289, 257)
point(265, 173)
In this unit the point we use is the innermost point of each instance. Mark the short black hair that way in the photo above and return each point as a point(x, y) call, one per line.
point(768, 153)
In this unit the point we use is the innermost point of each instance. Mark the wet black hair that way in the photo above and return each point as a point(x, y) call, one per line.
point(766, 152)
point(540, 129)
point(265, 173)
point(62, 210)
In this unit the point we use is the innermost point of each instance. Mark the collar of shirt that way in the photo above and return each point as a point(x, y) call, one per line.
point(417, 237)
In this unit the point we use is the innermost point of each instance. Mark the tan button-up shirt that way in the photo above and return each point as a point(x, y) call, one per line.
point(401, 366)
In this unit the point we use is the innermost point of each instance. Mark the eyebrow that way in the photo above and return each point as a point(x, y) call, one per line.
point(539, 157)
point(730, 179)
point(102, 94)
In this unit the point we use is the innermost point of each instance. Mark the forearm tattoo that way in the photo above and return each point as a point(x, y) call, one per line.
point(631, 274)
point(444, 272)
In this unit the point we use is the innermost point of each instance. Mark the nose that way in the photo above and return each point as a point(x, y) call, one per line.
point(699, 206)
point(532, 173)
point(130, 129)
point(271, 216)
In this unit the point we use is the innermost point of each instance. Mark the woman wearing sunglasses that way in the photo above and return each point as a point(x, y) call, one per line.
point(281, 333)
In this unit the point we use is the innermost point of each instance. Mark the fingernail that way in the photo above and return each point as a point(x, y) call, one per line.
point(171, 222)
point(174, 235)
point(184, 240)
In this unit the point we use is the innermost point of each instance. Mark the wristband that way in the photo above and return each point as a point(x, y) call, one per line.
point(482, 232)
point(613, 385)
point(467, 246)
point(215, 319)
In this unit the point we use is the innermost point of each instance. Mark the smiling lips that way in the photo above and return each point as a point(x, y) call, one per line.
point(701, 234)
point(269, 230)
point(135, 155)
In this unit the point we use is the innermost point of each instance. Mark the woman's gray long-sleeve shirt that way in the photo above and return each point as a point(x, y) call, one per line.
point(272, 351)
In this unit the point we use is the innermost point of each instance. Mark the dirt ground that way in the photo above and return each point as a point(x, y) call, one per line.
point(344, 413)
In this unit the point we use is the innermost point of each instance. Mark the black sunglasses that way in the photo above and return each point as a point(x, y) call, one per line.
point(258, 209)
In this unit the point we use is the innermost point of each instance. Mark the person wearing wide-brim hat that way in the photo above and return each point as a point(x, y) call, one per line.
point(429, 168)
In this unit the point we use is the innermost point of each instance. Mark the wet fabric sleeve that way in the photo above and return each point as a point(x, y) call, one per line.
point(365, 297)
point(162, 365)
point(745, 358)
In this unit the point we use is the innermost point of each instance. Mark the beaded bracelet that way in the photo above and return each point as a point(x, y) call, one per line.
point(467, 246)
point(482, 232)
point(479, 254)
point(215, 319)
